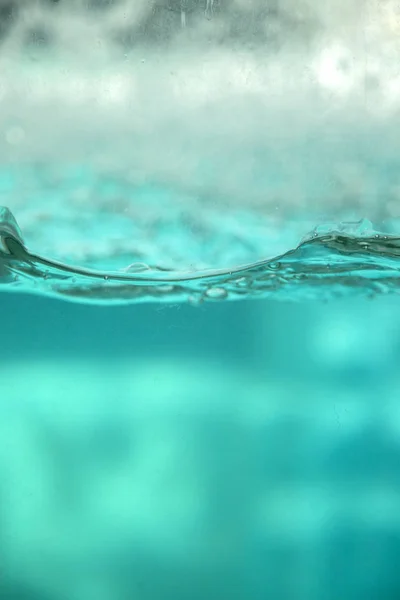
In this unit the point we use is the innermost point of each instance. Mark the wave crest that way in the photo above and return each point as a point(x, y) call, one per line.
point(345, 260)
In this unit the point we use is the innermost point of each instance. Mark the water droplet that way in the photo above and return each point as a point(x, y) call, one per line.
point(216, 293)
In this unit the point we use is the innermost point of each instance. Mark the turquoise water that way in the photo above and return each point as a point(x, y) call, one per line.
point(158, 441)
point(330, 262)
point(234, 449)
point(163, 252)
point(199, 275)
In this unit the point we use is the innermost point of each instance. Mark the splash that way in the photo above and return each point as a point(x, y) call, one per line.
point(342, 261)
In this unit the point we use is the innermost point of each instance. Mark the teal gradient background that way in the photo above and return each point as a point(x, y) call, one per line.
point(243, 450)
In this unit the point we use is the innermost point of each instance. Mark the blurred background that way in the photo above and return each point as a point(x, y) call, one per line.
point(233, 450)
point(241, 450)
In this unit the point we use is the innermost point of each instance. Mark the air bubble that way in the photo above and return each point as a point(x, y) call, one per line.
point(136, 268)
point(216, 293)
point(274, 266)
point(242, 282)
point(195, 300)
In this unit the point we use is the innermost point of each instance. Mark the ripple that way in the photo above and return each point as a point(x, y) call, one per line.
point(324, 265)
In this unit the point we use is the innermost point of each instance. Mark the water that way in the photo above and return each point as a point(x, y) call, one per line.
point(200, 334)
point(227, 449)
point(328, 263)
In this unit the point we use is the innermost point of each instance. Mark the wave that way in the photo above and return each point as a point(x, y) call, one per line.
point(341, 261)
